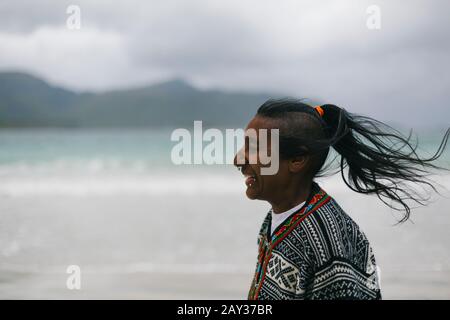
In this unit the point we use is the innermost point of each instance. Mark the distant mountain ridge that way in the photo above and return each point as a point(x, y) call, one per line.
point(27, 101)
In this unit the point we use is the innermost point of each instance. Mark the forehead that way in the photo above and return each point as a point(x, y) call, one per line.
point(259, 122)
point(253, 131)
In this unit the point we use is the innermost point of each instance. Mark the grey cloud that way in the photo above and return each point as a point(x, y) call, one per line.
point(299, 48)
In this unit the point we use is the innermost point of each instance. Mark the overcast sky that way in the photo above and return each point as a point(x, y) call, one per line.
point(320, 49)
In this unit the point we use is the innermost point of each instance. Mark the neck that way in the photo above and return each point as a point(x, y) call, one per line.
point(291, 198)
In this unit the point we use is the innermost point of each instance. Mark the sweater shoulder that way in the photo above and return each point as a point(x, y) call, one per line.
point(330, 234)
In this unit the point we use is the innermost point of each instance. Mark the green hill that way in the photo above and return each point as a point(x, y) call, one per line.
point(26, 101)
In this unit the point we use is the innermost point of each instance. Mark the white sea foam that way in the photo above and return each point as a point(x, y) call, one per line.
point(108, 178)
point(140, 267)
point(120, 185)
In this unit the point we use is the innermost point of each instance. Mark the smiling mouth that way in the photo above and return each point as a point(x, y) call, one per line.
point(250, 180)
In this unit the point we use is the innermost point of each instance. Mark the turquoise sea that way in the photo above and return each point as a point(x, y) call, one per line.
point(113, 203)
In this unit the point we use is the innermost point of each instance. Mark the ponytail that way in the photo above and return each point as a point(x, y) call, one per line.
point(380, 160)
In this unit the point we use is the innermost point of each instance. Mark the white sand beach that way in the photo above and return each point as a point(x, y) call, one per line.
point(193, 246)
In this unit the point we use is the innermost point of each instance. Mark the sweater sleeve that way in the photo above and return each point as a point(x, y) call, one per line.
point(340, 279)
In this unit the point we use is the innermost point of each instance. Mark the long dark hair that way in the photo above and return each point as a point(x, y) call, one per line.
point(379, 158)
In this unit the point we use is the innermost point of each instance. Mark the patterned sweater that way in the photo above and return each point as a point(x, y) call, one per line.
point(319, 252)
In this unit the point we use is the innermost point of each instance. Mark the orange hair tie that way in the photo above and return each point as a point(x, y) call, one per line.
point(319, 110)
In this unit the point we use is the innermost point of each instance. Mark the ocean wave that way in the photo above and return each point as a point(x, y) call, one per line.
point(72, 185)
point(131, 268)
point(110, 177)
point(84, 166)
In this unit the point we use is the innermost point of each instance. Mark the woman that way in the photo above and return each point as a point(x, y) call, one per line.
point(309, 248)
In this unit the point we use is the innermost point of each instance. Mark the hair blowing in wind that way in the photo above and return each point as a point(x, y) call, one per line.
point(374, 157)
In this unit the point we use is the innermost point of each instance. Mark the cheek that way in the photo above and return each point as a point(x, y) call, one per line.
point(271, 182)
point(277, 180)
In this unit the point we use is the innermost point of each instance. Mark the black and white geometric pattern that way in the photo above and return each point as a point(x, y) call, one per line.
point(326, 256)
point(282, 272)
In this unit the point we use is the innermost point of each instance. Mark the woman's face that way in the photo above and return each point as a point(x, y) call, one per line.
point(262, 186)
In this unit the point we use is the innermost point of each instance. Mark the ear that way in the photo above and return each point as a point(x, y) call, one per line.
point(297, 164)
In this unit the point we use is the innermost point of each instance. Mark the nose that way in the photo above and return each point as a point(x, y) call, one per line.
point(240, 158)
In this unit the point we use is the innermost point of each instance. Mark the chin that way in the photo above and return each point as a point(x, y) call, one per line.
point(251, 194)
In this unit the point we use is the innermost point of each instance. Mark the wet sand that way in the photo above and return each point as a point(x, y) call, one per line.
point(193, 247)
